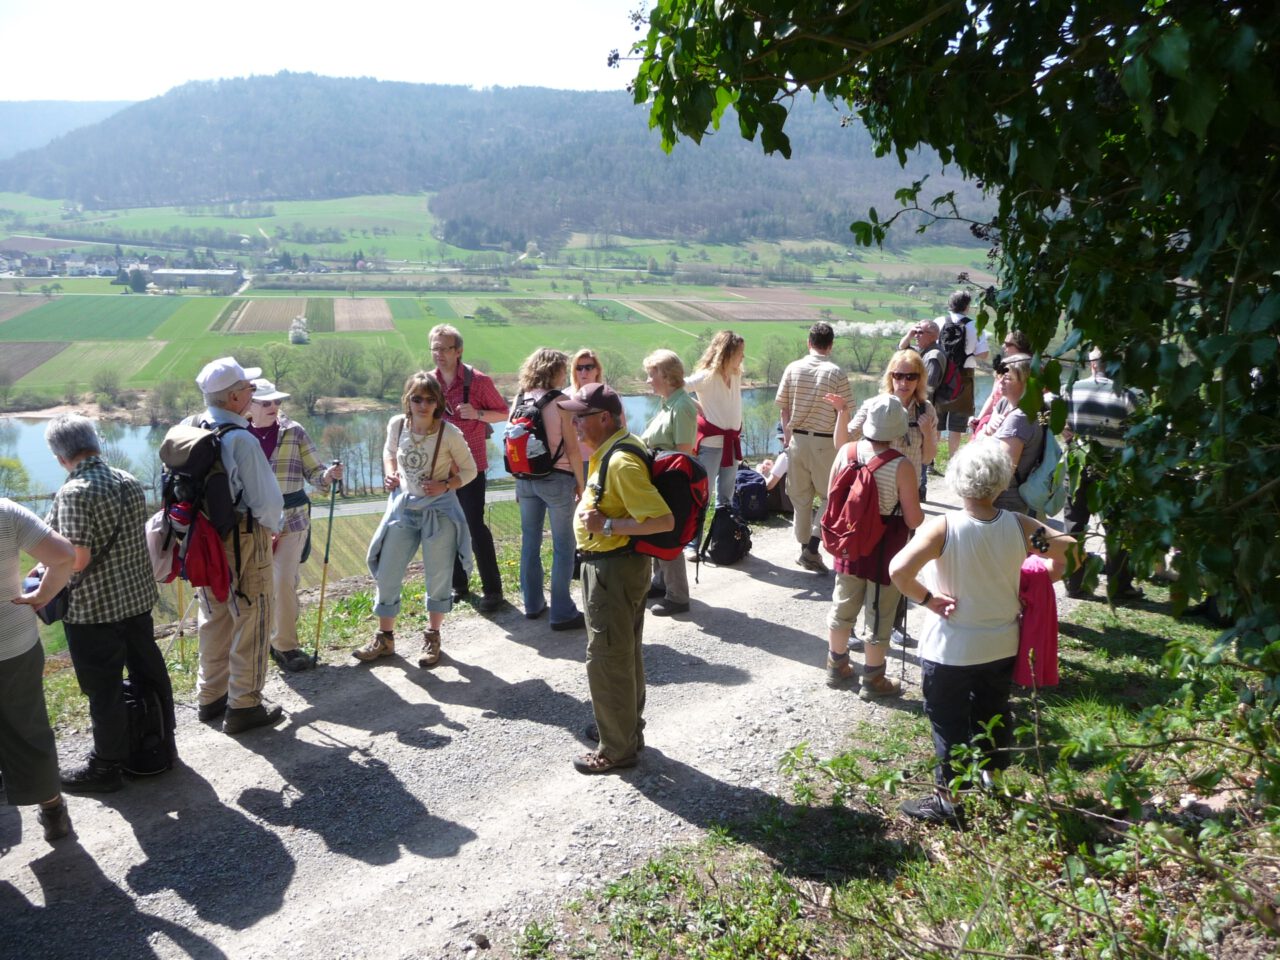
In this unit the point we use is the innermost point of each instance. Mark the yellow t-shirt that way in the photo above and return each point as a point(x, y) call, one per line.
point(630, 494)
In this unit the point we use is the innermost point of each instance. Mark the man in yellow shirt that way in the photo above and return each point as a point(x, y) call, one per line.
point(615, 579)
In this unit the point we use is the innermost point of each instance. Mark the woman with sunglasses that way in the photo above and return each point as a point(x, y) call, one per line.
point(906, 379)
point(426, 460)
point(1014, 342)
point(294, 461)
point(584, 368)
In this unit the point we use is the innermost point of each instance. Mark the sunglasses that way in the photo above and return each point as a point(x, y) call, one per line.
point(909, 377)
point(584, 416)
point(585, 367)
point(422, 399)
point(267, 403)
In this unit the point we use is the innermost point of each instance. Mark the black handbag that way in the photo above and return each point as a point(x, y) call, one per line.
point(57, 608)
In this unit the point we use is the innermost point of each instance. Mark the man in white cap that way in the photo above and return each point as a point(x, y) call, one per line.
point(293, 458)
point(233, 634)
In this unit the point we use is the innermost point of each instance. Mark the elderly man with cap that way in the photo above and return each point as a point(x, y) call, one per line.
point(615, 579)
point(233, 634)
point(292, 455)
point(1099, 411)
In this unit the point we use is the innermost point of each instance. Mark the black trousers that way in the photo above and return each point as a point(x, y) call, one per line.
point(472, 499)
point(28, 752)
point(959, 701)
point(1077, 517)
point(100, 653)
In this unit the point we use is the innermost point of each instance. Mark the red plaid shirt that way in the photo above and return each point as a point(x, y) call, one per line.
point(484, 396)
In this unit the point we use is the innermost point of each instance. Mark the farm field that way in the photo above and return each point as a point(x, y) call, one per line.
point(15, 306)
point(19, 359)
point(99, 318)
point(75, 286)
point(78, 362)
point(192, 319)
point(361, 314)
point(269, 315)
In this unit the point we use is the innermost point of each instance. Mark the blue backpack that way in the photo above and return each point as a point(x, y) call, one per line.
point(751, 495)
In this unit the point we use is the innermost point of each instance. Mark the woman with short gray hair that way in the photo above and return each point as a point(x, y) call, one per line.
point(970, 643)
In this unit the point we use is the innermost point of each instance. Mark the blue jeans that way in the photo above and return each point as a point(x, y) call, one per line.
point(552, 495)
point(438, 537)
point(720, 479)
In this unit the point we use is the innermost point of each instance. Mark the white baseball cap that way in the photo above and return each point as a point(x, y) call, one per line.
point(223, 373)
point(264, 389)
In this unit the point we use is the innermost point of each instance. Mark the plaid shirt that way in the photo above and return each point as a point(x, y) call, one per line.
point(293, 461)
point(86, 510)
point(484, 396)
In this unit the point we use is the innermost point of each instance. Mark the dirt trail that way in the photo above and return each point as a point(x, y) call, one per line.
point(400, 810)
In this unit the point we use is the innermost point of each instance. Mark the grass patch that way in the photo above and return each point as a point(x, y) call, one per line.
point(97, 318)
point(229, 314)
point(320, 314)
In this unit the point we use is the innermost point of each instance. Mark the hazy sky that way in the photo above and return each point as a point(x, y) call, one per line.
point(80, 50)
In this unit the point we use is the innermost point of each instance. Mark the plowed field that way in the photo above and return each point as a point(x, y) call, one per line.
point(19, 359)
point(17, 306)
point(269, 314)
point(361, 314)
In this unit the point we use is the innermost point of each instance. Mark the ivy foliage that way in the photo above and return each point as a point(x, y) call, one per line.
point(1132, 149)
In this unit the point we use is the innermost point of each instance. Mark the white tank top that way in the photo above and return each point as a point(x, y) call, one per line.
point(980, 568)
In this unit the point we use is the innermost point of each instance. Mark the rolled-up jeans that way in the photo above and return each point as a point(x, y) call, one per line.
point(409, 530)
point(550, 495)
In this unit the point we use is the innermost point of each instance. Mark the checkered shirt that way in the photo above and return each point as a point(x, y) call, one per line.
point(86, 510)
point(294, 461)
point(484, 396)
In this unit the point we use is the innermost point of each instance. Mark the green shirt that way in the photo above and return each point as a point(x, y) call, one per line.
point(675, 423)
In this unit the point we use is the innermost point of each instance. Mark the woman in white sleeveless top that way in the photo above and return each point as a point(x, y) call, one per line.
point(969, 645)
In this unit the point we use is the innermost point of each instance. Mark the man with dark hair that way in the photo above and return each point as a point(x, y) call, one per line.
point(103, 512)
point(615, 579)
point(1099, 411)
point(472, 404)
point(953, 415)
point(808, 428)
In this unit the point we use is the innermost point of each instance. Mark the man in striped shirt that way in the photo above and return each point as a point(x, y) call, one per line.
point(808, 426)
point(1098, 411)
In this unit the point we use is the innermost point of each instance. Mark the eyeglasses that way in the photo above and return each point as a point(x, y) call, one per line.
point(909, 377)
point(418, 398)
point(267, 403)
point(585, 367)
point(583, 416)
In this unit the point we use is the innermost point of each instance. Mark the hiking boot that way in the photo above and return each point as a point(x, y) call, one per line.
point(839, 669)
point(93, 776)
point(577, 622)
point(877, 686)
point(931, 809)
point(240, 719)
point(489, 602)
point(55, 820)
point(291, 661)
point(430, 654)
point(811, 560)
point(212, 711)
point(383, 644)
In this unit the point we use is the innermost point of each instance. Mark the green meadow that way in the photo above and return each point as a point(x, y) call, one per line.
point(92, 318)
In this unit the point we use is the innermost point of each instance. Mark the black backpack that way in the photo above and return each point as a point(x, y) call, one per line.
point(194, 478)
point(751, 494)
point(148, 731)
point(728, 538)
point(525, 450)
point(951, 341)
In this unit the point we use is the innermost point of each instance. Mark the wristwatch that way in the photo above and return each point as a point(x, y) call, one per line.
point(608, 527)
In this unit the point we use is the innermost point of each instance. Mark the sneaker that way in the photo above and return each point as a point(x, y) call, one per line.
point(240, 719)
point(430, 654)
point(212, 711)
point(383, 644)
point(93, 776)
point(878, 686)
point(577, 622)
point(55, 820)
point(666, 607)
point(839, 671)
point(856, 644)
point(811, 560)
point(291, 661)
point(489, 602)
point(931, 809)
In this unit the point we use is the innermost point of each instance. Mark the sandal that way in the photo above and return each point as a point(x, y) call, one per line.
point(599, 763)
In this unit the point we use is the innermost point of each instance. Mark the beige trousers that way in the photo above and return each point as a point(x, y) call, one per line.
point(233, 635)
point(809, 470)
point(286, 566)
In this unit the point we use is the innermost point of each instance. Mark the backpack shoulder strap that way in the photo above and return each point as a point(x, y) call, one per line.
point(467, 374)
point(601, 477)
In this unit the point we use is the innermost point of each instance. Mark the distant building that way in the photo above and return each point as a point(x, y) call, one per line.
point(223, 281)
point(37, 267)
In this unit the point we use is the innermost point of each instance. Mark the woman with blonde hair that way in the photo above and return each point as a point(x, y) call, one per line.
point(425, 462)
point(585, 367)
point(544, 373)
point(674, 427)
point(904, 378)
point(717, 380)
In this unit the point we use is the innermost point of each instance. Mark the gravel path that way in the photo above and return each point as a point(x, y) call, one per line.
point(400, 811)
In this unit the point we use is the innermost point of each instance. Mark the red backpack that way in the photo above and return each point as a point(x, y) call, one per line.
point(682, 482)
point(851, 524)
point(204, 559)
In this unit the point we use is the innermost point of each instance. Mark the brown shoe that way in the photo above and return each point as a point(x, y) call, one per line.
point(383, 644)
point(430, 654)
point(839, 671)
point(878, 686)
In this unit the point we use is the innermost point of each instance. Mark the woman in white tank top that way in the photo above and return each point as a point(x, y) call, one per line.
point(969, 645)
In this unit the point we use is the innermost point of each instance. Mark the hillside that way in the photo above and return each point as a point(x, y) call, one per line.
point(507, 165)
point(29, 124)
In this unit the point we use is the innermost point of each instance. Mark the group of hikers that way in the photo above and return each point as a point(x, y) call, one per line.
point(582, 469)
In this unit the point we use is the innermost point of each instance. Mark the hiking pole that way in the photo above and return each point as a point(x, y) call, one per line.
point(324, 572)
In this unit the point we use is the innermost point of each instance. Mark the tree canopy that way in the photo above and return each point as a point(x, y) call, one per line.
point(1132, 151)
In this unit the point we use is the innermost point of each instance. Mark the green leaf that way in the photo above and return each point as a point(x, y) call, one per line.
point(1173, 52)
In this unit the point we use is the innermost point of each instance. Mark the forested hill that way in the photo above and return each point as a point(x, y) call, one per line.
point(27, 124)
point(506, 164)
